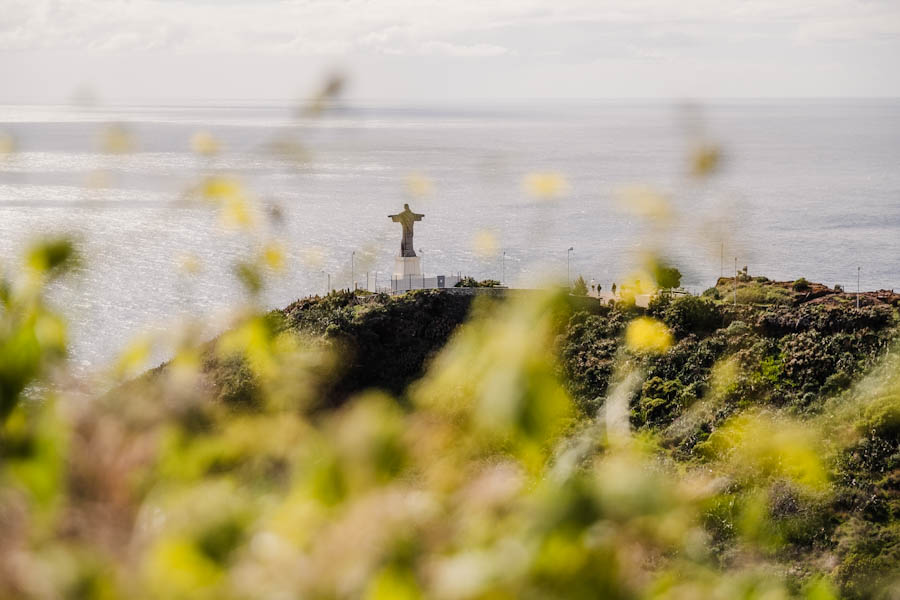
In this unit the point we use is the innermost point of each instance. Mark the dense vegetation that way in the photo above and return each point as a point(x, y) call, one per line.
point(793, 357)
point(434, 446)
point(798, 360)
point(382, 343)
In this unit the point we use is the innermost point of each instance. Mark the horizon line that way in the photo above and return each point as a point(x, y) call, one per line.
point(405, 101)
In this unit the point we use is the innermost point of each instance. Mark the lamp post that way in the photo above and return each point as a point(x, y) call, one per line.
point(735, 280)
point(568, 268)
point(352, 273)
point(422, 252)
point(327, 289)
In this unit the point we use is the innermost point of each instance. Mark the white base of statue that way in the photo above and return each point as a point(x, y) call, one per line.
point(405, 266)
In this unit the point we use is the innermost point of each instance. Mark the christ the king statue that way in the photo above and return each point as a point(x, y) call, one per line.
point(407, 218)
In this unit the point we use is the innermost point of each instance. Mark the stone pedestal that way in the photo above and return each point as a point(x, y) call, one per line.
point(405, 266)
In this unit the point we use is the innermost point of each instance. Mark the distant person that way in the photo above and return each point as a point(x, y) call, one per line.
point(614, 288)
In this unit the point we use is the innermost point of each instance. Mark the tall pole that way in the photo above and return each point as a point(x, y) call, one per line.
point(367, 282)
point(722, 261)
point(352, 273)
point(503, 269)
point(568, 267)
point(857, 287)
point(735, 280)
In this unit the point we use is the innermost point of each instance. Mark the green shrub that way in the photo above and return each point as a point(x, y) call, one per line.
point(777, 295)
point(588, 347)
point(579, 288)
point(658, 304)
point(836, 382)
point(882, 419)
point(752, 294)
point(692, 314)
point(801, 285)
point(798, 520)
point(471, 282)
point(755, 293)
point(660, 401)
point(869, 556)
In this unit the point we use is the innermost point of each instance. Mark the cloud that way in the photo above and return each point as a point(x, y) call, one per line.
point(646, 47)
point(448, 49)
point(869, 28)
point(460, 28)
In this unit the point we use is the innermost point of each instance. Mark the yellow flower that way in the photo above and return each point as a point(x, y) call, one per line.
point(236, 210)
point(418, 185)
point(116, 139)
point(705, 160)
point(219, 188)
point(546, 185)
point(133, 359)
point(236, 213)
point(7, 143)
point(648, 335)
point(189, 264)
point(760, 445)
point(486, 244)
point(638, 282)
point(273, 255)
point(50, 331)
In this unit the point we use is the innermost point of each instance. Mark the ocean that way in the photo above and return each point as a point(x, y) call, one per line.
point(807, 188)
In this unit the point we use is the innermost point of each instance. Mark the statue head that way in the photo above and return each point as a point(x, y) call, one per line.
point(406, 207)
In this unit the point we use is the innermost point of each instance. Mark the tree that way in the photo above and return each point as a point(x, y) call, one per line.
point(667, 277)
point(579, 288)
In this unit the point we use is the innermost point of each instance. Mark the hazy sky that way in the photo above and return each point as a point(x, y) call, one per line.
point(416, 50)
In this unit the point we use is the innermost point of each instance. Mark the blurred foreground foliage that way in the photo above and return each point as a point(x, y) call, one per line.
point(354, 446)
